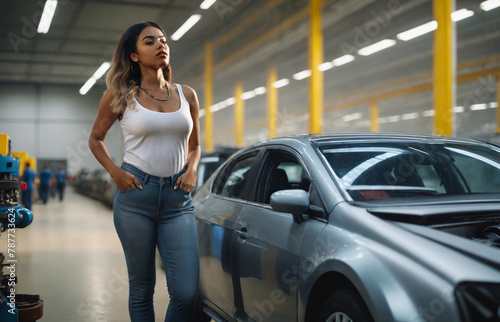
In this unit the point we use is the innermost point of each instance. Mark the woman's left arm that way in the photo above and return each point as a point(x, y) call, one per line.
point(187, 181)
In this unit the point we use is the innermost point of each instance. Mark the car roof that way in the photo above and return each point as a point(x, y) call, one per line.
point(320, 139)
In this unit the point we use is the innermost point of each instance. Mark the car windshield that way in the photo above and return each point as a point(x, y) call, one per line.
point(398, 170)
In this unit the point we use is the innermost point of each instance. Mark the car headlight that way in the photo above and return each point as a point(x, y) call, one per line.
point(479, 302)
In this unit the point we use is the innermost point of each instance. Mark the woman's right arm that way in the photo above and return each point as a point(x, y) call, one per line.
point(103, 122)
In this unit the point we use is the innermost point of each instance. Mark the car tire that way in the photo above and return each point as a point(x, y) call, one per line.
point(345, 306)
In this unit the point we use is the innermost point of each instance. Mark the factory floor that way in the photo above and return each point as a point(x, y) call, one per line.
point(72, 257)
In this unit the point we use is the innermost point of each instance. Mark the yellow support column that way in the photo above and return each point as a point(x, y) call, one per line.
point(315, 59)
point(4, 144)
point(209, 127)
point(498, 104)
point(239, 114)
point(444, 67)
point(272, 100)
point(374, 125)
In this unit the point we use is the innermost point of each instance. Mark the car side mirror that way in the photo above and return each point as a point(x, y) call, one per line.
point(294, 201)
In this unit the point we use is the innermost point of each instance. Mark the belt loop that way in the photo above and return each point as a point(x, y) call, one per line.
point(146, 177)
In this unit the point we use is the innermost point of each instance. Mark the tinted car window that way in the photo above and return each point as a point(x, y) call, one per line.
point(234, 177)
point(389, 170)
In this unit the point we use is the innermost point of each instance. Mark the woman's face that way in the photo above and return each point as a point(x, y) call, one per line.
point(152, 49)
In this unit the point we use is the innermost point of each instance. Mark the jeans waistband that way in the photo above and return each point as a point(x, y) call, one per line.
point(145, 177)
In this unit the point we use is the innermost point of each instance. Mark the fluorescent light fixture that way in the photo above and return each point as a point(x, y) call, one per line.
point(418, 31)
point(260, 90)
point(102, 70)
point(47, 15)
point(88, 85)
point(478, 107)
point(461, 14)
point(493, 105)
point(458, 109)
point(230, 101)
point(185, 27)
point(352, 117)
point(490, 4)
point(428, 113)
point(201, 113)
point(301, 75)
point(281, 83)
point(409, 116)
point(343, 60)
point(247, 95)
point(326, 66)
point(207, 4)
point(93, 79)
point(376, 47)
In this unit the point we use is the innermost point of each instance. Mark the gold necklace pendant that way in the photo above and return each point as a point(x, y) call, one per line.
point(156, 98)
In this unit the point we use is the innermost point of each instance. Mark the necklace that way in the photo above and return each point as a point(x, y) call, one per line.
point(156, 98)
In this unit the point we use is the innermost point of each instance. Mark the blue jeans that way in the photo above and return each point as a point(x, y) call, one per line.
point(158, 216)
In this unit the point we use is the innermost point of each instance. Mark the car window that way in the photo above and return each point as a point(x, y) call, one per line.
point(282, 171)
point(234, 177)
point(390, 170)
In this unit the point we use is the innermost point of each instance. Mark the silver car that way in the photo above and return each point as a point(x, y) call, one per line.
point(352, 228)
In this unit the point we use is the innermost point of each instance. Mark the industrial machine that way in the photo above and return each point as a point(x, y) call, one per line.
point(13, 307)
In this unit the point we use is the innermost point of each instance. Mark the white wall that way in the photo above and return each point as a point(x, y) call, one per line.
point(51, 122)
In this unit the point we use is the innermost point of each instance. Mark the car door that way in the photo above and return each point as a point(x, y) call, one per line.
point(216, 217)
point(266, 250)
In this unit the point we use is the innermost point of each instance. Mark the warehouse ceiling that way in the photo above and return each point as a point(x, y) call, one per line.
point(247, 34)
point(84, 34)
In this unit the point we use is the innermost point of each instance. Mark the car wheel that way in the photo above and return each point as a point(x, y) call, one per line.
point(344, 306)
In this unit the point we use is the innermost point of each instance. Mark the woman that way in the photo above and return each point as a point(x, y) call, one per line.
point(152, 204)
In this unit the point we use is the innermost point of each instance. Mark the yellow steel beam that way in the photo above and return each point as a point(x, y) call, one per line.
point(374, 125)
point(272, 100)
point(315, 59)
point(209, 130)
point(444, 67)
point(4, 144)
point(239, 114)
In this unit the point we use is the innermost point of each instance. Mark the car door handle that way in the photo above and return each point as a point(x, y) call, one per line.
point(243, 233)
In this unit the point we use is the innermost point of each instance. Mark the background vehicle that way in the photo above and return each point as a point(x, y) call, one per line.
point(355, 227)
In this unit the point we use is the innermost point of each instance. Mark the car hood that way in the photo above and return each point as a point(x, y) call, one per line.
point(472, 228)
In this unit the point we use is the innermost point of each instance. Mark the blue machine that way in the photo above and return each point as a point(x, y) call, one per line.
point(12, 216)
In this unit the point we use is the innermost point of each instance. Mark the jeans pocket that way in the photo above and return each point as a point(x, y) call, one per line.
point(178, 198)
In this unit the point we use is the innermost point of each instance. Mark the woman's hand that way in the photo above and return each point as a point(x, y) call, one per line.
point(125, 180)
point(186, 181)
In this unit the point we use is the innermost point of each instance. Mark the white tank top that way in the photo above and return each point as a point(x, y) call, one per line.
point(157, 142)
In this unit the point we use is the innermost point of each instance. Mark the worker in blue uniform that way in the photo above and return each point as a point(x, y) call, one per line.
point(28, 177)
point(45, 177)
point(60, 182)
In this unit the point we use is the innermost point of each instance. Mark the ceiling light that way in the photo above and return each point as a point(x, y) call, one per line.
point(247, 95)
point(490, 4)
point(428, 113)
point(102, 70)
point(185, 27)
point(409, 116)
point(493, 105)
point(376, 47)
point(93, 79)
point(260, 90)
point(478, 107)
point(47, 15)
point(326, 66)
point(301, 75)
point(461, 14)
point(281, 83)
point(458, 109)
point(88, 85)
point(343, 60)
point(207, 4)
point(417, 31)
point(352, 117)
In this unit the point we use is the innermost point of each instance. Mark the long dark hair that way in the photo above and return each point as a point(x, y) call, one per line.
point(125, 75)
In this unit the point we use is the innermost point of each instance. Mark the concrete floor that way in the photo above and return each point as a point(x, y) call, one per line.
point(72, 257)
